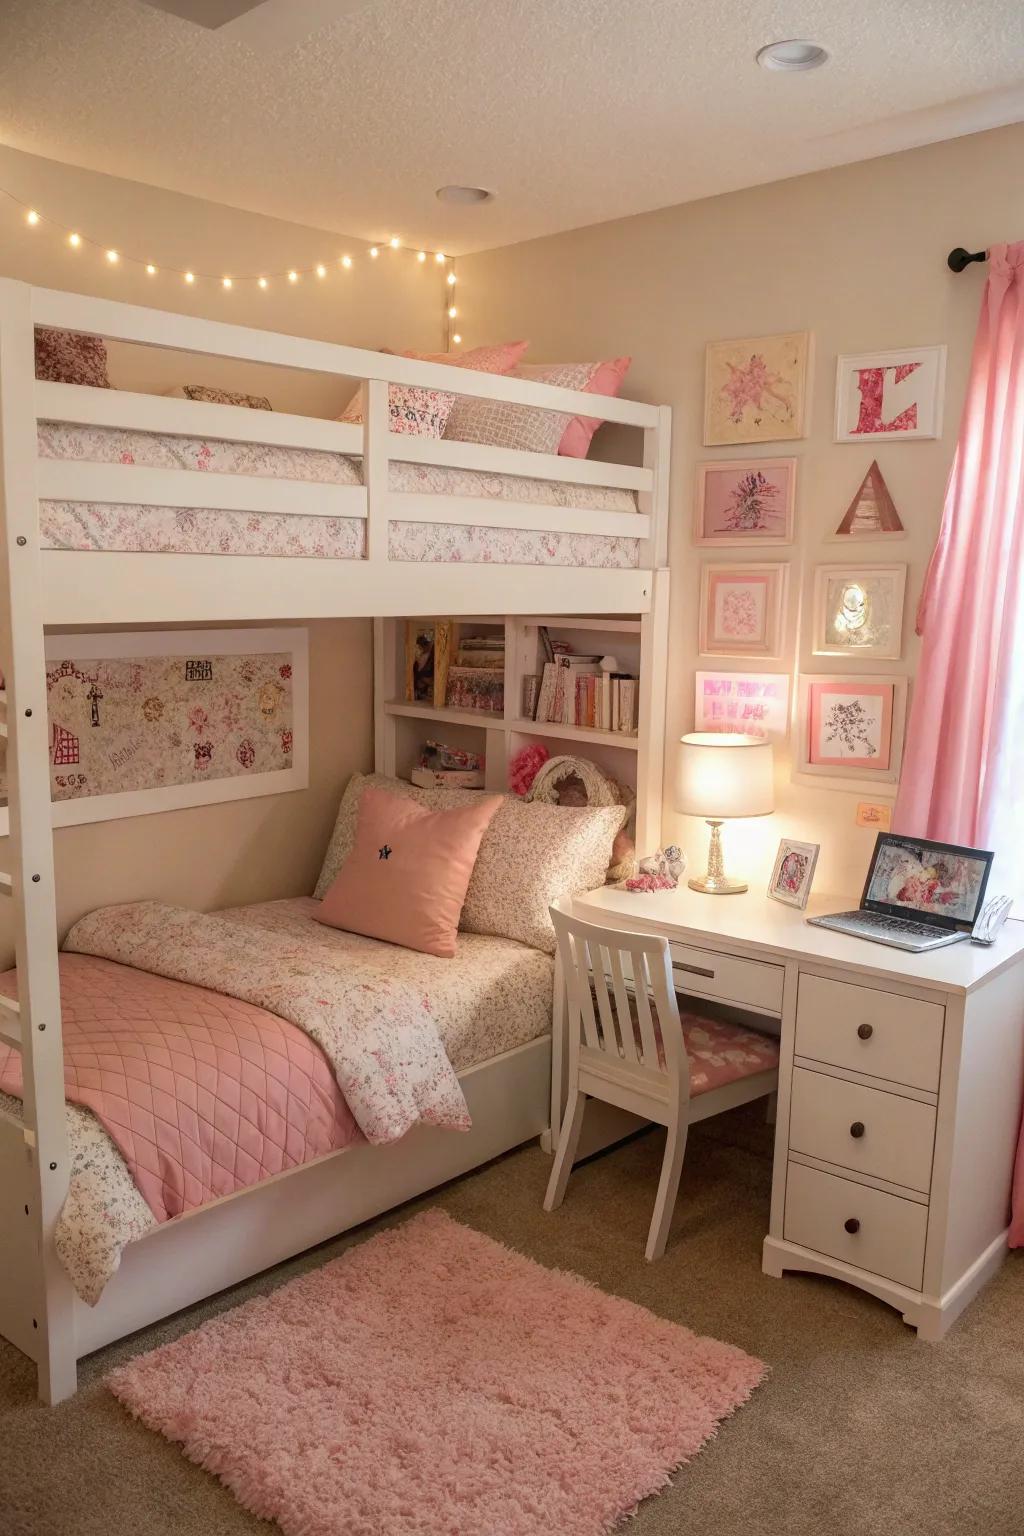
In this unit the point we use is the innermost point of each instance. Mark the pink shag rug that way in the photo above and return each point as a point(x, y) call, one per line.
point(433, 1383)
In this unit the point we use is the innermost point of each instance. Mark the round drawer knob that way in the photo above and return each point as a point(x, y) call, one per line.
point(852, 1224)
point(865, 1031)
point(857, 1129)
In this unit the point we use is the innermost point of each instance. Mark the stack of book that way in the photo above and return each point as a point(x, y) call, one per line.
point(573, 690)
point(476, 678)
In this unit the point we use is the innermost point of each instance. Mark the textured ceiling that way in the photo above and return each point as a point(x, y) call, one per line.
point(347, 114)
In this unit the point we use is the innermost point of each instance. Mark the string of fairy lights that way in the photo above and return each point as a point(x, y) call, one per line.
point(319, 271)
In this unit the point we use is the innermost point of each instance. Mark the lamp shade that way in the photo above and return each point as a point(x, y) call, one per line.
point(724, 775)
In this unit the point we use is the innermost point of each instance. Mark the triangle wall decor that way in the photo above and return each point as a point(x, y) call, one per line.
point(872, 511)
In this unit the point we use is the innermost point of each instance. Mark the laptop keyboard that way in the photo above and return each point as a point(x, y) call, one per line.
point(896, 924)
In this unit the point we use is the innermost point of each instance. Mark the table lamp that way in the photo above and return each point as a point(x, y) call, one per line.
point(722, 775)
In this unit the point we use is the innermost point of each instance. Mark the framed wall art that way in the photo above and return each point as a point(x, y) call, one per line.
point(741, 608)
point(894, 395)
point(161, 720)
point(756, 389)
point(858, 610)
point(745, 501)
point(793, 872)
point(852, 727)
point(754, 703)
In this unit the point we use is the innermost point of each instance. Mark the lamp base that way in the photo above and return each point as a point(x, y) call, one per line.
point(718, 885)
point(716, 882)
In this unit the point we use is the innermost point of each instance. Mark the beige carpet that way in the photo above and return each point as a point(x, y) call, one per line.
point(859, 1431)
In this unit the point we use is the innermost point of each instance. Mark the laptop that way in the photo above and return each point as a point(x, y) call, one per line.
point(918, 894)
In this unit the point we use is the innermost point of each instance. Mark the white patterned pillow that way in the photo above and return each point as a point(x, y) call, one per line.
point(413, 411)
point(502, 425)
point(530, 856)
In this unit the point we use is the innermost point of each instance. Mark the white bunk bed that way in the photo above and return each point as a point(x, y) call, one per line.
point(45, 585)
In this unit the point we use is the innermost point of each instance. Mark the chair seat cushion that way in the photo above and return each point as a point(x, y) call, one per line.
point(718, 1052)
point(722, 1053)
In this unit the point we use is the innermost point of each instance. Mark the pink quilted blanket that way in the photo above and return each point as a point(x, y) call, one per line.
point(202, 1093)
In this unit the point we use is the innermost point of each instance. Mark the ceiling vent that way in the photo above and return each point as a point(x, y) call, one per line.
point(206, 13)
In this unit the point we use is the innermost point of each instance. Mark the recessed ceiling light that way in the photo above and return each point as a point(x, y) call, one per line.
point(792, 54)
point(464, 195)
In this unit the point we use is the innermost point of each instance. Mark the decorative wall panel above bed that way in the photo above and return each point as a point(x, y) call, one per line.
point(156, 720)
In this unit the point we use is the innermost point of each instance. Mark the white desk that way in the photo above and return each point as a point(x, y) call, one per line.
point(899, 1088)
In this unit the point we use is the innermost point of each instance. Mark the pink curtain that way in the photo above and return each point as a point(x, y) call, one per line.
point(971, 613)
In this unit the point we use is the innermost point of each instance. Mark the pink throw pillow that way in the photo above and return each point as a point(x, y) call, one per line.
point(606, 380)
point(500, 358)
point(405, 880)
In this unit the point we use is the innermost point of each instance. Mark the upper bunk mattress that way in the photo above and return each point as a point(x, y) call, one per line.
point(126, 527)
point(492, 996)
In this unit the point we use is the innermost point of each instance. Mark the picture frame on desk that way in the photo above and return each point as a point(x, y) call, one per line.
point(793, 873)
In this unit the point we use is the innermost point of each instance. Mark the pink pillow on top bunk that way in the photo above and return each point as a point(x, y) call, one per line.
point(500, 424)
point(606, 379)
point(405, 880)
point(423, 412)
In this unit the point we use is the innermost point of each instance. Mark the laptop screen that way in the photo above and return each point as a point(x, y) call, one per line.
point(936, 883)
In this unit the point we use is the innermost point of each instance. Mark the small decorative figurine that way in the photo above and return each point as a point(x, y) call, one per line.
point(660, 871)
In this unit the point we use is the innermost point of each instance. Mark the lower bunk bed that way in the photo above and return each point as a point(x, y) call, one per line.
point(323, 1079)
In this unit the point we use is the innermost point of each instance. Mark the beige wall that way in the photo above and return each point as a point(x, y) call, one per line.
point(245, 850)
point(856, 255)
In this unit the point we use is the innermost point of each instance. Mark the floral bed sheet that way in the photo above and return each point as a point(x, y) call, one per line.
point(494, 995)
point(127, 527)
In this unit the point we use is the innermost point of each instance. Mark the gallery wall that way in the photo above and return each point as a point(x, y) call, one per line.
point(855, 256)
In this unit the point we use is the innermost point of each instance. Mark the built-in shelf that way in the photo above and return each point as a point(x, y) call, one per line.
point(481, 717)
point(575, 733)
point(605, 626)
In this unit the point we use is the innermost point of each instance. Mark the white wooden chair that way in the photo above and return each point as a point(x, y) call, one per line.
point(627, 1047)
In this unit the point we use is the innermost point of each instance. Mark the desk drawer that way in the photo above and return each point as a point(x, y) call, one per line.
point(728, 978)
point(881, 1033)
point(861, 1128)
point(889, 1234)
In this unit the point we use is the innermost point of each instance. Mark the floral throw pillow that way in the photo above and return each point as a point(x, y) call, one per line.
point(211, 396)
point(69, 357)
point(413, 411)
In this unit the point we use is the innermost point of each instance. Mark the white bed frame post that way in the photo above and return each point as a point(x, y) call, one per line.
point(33, 1024)
point(654, 636)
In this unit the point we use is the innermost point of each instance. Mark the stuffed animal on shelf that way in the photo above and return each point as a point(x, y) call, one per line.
point(660, 871)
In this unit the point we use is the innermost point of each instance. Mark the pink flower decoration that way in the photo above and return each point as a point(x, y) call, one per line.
point(525, 766)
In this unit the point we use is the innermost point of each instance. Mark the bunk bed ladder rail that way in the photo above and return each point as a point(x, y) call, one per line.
point(34, 1164)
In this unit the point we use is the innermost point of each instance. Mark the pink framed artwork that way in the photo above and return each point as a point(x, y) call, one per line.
point(740, 500)
point(890, 395)
point(852, 727)
point(741, 609)
point(754, 703)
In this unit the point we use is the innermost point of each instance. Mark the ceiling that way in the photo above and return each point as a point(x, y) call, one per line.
point(347, 114)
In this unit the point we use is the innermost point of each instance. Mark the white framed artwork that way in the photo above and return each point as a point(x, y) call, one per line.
point(745, 501)
point(741, 609)
point(851, 728)
point(793, 872)
point(753, 703)
point(890, 395)
point(858, 610)
point(160, 720)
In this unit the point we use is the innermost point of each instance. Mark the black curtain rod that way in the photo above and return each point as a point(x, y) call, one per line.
point(957, 260)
